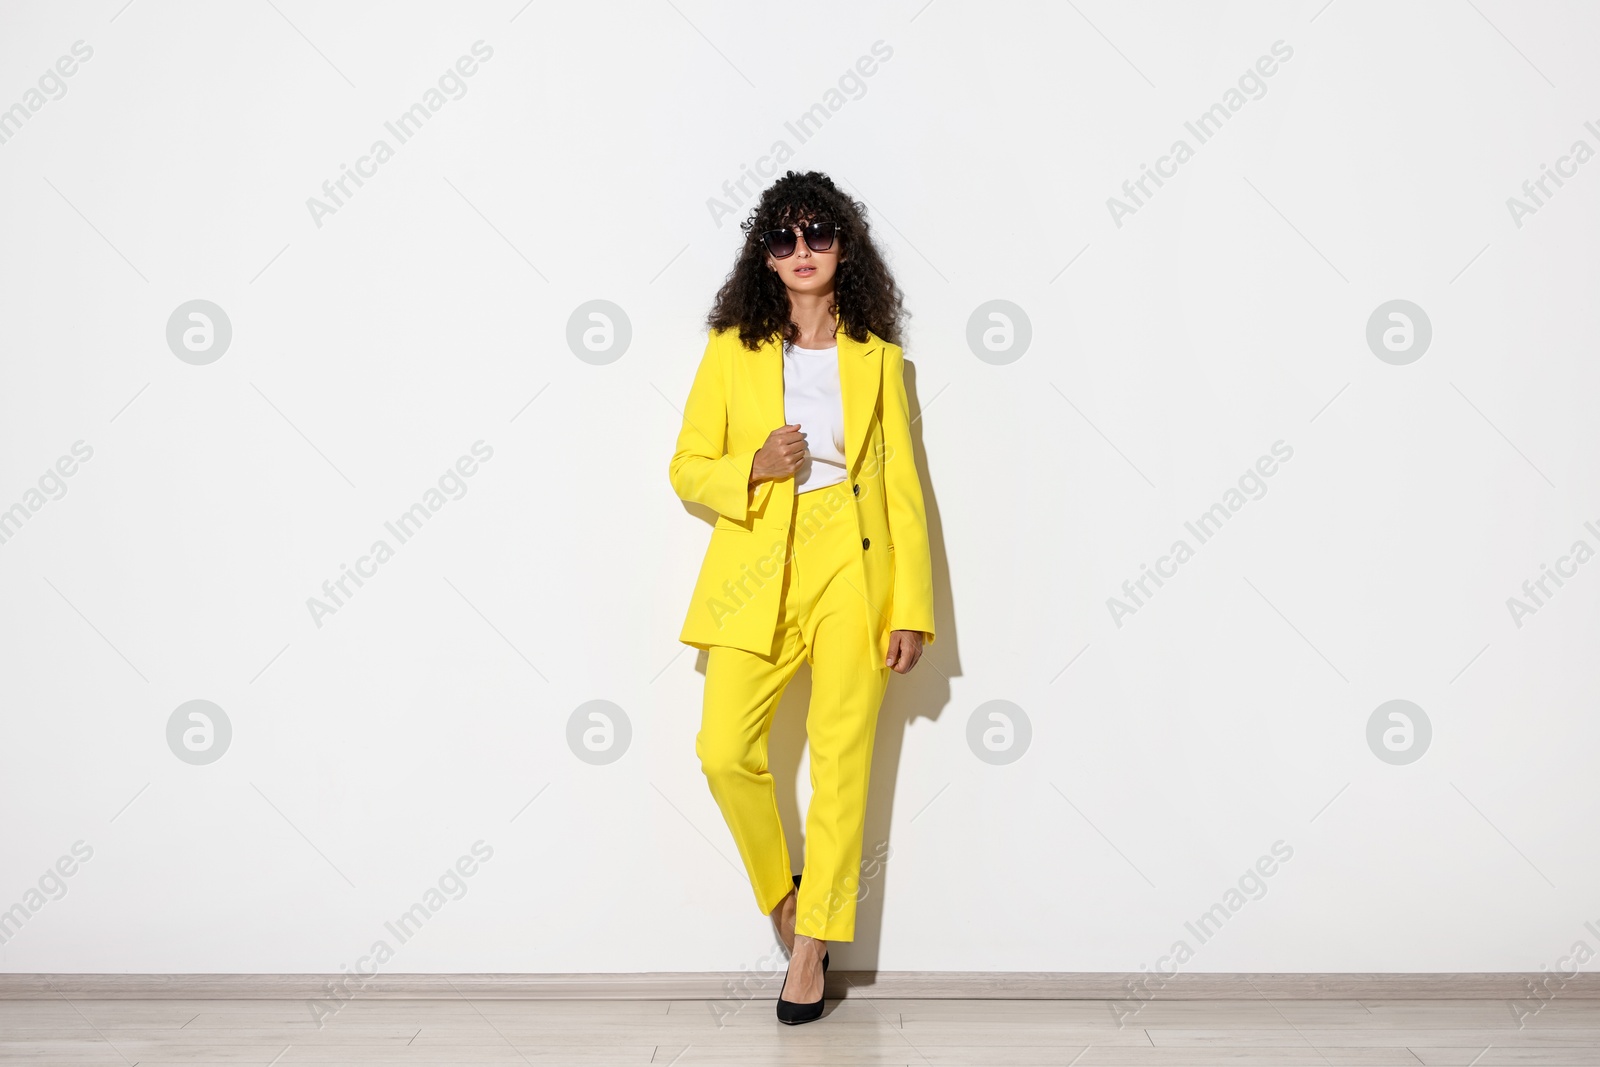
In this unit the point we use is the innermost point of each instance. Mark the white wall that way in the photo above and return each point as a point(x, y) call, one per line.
point(1169, 749)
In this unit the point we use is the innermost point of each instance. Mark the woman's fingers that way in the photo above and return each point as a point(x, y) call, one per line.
point(905, 652)
point(902, 654)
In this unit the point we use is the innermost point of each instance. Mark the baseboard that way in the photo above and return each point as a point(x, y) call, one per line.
point(731, 985)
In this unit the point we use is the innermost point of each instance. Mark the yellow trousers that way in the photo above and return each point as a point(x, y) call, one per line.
point(823, 622)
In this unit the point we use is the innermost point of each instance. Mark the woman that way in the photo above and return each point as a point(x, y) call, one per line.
point(797, 434)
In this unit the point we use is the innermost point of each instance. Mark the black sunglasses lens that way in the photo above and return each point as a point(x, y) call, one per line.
point(779, 242)
point(819, 236)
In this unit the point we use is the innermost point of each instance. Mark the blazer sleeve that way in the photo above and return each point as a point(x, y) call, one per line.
point(702, 470)
point(911, 607)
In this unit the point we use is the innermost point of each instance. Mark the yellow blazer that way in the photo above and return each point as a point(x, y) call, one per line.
point(735, 402)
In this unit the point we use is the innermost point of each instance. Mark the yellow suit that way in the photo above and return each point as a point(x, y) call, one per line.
point(735, 402)
point(820, 577)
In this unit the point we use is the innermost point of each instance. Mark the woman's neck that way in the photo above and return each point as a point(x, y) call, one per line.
point(815, 323)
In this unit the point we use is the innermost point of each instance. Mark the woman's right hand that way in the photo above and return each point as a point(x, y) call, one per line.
point(780, 457)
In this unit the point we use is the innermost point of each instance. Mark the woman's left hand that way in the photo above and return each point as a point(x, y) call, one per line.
point(905, 649)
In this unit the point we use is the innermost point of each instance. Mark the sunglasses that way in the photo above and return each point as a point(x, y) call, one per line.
point(782, 243)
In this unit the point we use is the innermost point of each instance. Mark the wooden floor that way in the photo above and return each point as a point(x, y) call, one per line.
point(1372, 1033)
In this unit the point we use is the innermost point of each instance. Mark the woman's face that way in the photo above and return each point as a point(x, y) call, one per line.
point(806, 271)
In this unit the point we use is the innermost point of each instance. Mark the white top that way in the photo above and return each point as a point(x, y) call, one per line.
point(812, 399)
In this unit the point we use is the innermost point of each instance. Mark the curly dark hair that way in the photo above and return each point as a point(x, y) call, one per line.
point(755, 299)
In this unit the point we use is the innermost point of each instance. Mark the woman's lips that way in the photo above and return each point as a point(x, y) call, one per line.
point(805, 272)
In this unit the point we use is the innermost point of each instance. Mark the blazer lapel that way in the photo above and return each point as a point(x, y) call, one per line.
point(767, 375)
point(860, 373)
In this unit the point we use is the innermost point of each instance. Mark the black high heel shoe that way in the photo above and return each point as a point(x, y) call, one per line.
point(791, 1011)
point(797, 908)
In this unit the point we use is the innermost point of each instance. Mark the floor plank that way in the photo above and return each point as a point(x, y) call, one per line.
point(870, 1032)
